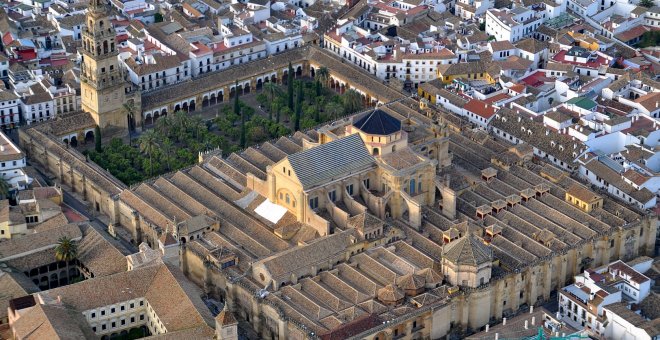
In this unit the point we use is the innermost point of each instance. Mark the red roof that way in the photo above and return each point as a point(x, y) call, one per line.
point(480, 108)
point(635, 177)
point(561, 56)
point(536, 79)
point(7, 38)
point(496, 98)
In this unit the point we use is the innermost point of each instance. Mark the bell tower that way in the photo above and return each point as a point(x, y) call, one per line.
point(103, 83)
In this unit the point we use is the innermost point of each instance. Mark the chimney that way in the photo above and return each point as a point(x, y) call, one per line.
point(503, 321)
point(531, 310)
point(533, 320)
point(487, 328)
point(497, 336)
point(526, 324)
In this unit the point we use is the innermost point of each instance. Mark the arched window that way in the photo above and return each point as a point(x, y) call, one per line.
point(288, 200)
point(376, 152)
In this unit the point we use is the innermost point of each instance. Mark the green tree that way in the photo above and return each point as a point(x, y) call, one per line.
point(131, 110)
point(180, 125)
point(352, 101)
point(318, 87)
point(278, 104)
point(164, 126)
point(272, 89)
point(167, 146)
point(5, 187)
point(334, 109)
point(323, 75)
point(646, 3)
point(319, 102)
point(197, 125)
point(66, 249)
point(296, 119)
point(149, 145)
point(289, 85)
point(97, 139)
point(237, 105)
point(158, 17)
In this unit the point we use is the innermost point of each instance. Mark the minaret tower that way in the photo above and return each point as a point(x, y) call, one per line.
point(103, 83)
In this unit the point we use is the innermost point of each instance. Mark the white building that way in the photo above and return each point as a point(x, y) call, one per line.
point(12, 162)
point(37, 105)
point(511, 25)
point(9, 109)
point(625, 324)
point(582, 304)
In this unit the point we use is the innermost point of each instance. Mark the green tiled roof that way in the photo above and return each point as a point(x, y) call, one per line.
point(581, 102)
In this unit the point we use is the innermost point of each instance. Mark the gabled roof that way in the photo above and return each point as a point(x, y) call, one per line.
point(468, 250)
point(330, 161)
point(225, 318)
point(378, 123)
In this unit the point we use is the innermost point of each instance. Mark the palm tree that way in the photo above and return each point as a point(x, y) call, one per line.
point(272, 89)
point(278, 104)
point(334, 109)
point(323, 75)
point(130, 109)
point(352, 101)
point(66, 249)
point(181, 122)
point(5, 187)
point(167, 147)
point(163, 125)
point(196, 123)
point(148, 145)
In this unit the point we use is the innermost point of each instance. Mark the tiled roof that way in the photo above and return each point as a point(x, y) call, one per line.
point(468, 250)
point(329, 161)
point(377, 122)
point(225, 318)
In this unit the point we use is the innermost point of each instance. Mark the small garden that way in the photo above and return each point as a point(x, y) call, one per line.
point(175, 140)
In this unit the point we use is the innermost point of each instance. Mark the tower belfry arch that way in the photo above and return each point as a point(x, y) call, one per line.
point(104, 88)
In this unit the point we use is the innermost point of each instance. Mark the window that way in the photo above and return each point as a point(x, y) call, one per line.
point(93, 315)
point(103, 327)
point(112, 310)
point(132, 305)
point(141, 303)
point(102, 312)
point(611, 243)
point(141, 317)
point(314, 203)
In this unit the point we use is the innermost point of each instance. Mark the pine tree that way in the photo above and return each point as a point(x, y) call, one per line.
point(290, 87)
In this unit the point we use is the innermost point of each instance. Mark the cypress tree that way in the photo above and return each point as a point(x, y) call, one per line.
point(237, 111)
point(97, 139)
point(296, 122)
point(290, 87)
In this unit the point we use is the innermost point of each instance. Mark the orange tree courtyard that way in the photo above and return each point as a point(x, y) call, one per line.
point(175, 141)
